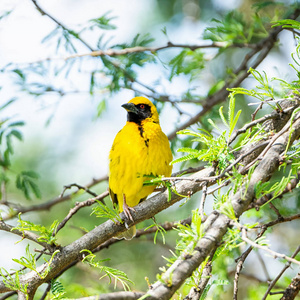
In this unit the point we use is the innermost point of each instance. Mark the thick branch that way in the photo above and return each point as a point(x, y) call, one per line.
point(107, 230)
point(293, 289)
point(215, 225)
point(215, 231)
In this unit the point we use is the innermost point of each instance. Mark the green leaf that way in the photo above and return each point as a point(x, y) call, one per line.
point(46, 235)
point(13, 283)
point(103, 211)
point(232, 119)
point(25, 182)
point(35, 189)
point(31, 174)
point(101, 107)
point(57, 290)
point(28, 262)
point(17, 134)
point(187, 62)
point(18, 123)
point(183, 159)
point(222, 116)
point(188, 150)
point(103, 22)
point(8, 103)
point(287, 23)
point(111, 273)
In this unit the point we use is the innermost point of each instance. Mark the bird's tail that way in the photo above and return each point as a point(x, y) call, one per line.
point(127, 235)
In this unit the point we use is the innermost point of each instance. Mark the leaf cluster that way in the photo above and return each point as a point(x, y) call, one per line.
point(104, 211)
point(13, 282)
point(234, 29)
point(187, 62)
point(189, 234)
point(10, 132)
point(215, 149)
point(121, 71)
point(57, 290)
point(46, 235)
point(103, 22)
point(25, 182)
point(113, 274)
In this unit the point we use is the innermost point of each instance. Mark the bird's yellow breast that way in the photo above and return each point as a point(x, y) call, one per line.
point(138, 151)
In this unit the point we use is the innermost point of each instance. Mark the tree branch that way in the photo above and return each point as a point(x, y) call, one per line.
point(240, 264)
point(214, 227)
point(77, 207)
point(23, 234)
point(49, 204)
point(137, 49)
point(273, 253)
point(115, 296)
point(272, 284)
point(215, 230)
point(293, 289)
point(263, 48)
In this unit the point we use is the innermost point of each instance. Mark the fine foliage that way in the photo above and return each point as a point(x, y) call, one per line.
point(223, 226)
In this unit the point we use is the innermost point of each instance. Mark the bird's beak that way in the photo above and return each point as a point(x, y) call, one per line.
point(130, 107)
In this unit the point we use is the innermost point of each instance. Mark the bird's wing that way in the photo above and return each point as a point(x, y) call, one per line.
point(113, 197)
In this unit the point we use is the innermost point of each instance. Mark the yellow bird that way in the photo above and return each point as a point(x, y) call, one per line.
point(140, 148)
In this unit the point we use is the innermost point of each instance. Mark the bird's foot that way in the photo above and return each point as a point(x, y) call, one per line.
point(127, 210)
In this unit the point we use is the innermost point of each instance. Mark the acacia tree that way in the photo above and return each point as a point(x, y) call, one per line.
point(247, 165)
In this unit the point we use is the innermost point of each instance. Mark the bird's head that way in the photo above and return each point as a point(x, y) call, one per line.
point(139, 109)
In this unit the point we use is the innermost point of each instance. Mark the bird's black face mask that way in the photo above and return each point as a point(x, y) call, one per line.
point(137, 113)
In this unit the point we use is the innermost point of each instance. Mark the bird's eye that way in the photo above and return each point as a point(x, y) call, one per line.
point(142, 106)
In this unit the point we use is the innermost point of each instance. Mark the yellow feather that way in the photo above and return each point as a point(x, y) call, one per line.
point(139, 149)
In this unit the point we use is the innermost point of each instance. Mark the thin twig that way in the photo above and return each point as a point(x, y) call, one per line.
point(47, 290)
point(137, 49)
point(240, 264)
point(272, 284)
point(202, 201)
point(274, 208)
point(285, 128)
point(79, 38)
point(255, 122)
point(281, 220)
point(225, 183)
point(8, 295)
point(256, 111)
point(49, 204)
point(80, 187)
point(273, 253)
point(23, 234)
point(263, 265)
point(271, 142)
point(77, 207)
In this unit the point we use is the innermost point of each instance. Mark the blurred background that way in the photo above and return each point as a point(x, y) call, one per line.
point(70, 124)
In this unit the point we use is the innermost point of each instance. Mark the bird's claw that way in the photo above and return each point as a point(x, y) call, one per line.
point(127, 209)
point(127, 213)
